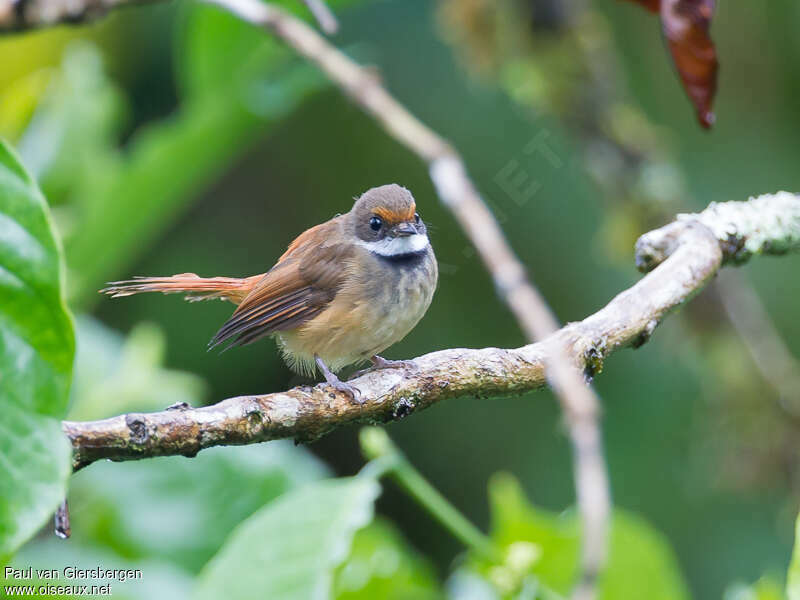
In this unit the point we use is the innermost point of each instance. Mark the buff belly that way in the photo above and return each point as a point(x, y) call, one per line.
point(367, 316)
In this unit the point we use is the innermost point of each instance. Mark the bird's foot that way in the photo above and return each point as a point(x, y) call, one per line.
point(348, 390)
point(378, 362)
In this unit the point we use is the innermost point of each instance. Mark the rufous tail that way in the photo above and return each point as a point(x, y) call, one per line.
point(195, 287)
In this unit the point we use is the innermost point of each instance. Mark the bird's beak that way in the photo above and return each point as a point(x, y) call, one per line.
point(404, 229)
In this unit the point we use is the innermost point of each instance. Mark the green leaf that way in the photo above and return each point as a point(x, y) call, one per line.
point(545, 545)
point(291, 547)
point(36, 353)
point(383, 566)
point(793, 577)
point(178, 510)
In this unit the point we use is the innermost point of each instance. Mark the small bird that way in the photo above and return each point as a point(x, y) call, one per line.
point(343, 292)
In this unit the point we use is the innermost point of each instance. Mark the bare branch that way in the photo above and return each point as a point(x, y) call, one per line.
point(773, 359)
point(20, 15)
point(689, 254)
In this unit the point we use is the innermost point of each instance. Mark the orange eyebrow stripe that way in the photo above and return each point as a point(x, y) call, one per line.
point(391, 216)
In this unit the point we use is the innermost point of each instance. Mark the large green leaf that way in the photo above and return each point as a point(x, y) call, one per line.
point(36, 353)
point(291, 547)
point(545, 546)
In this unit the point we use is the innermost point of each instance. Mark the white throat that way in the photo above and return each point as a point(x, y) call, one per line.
point(397, 246)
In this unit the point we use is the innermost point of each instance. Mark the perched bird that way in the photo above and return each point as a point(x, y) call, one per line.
point(343, 292)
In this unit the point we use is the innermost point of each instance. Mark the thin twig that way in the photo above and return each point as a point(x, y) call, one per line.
point(61, 524)
point(773, 359)
point(324, 16)
point(378, 448)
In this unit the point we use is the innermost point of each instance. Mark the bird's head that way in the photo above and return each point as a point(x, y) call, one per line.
point(386, 222)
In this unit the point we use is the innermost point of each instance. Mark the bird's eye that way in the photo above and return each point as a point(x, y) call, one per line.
point(416, 217)
point(375, 223)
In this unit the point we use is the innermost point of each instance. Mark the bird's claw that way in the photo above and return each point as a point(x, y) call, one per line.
point(340, 386)
point(348, 390)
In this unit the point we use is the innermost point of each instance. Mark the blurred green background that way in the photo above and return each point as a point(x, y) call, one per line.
point(172, 138)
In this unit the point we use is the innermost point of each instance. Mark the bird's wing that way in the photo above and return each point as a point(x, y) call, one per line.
point(299, 287)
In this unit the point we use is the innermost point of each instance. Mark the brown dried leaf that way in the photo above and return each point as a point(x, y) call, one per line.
point(686, 25)
point(653, 5)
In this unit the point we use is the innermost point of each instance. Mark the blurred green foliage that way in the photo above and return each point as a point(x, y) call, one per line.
point(546, 545)
point(116, 374)
point(764, 589)
point(211, 159)
point(194, 518)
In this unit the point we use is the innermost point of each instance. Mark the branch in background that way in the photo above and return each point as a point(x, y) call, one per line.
point(326, 19)
point(773, 359)
point(683, 256)
point(20, 15)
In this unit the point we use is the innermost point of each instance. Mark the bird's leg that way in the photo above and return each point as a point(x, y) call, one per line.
point(333, 381)
point(378, 362)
